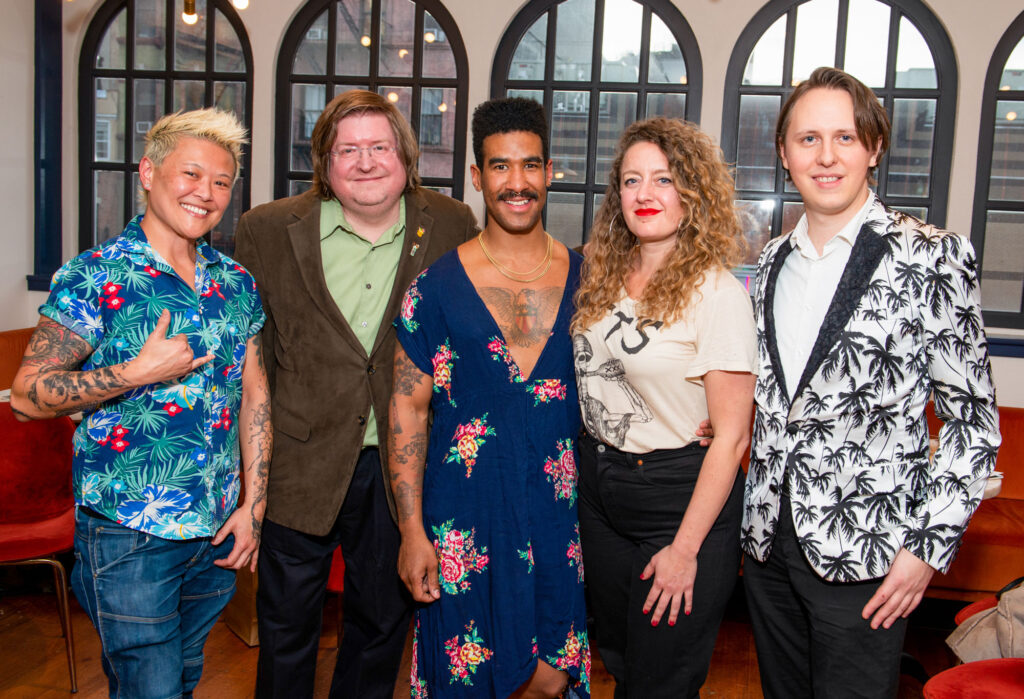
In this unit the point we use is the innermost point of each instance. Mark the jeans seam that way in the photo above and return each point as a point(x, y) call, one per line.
point(210, 595)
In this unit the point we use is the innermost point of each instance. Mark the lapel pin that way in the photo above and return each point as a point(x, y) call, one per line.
point(420, 232)
point(415, 247)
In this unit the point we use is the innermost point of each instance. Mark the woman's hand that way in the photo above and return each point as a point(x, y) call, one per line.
point(674, 574)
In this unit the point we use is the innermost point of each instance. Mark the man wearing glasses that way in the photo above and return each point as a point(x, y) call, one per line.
point(332, 265)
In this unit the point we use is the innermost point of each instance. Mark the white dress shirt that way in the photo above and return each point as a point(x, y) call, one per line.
point(804, 290)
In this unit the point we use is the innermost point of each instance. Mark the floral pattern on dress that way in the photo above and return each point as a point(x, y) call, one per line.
point(409, 302)
point(443, 362)
point(499, 353)
point(465, 657)
point(575, 554)
point(417, 685)
point(457, 557)
point(547, 390)
point(469, 437)
point(574, 654)
point(527, 555)
point(561, 470)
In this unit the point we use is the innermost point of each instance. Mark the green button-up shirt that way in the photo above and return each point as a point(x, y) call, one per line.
point(360, 276)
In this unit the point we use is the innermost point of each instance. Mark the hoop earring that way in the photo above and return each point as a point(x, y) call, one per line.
point(611, 240)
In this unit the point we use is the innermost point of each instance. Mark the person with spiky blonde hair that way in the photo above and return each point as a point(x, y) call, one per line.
point(152, 335)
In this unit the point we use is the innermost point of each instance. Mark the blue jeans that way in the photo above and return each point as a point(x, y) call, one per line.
point(153, 602)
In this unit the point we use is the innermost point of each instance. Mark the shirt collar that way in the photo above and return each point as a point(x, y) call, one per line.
point(847, 235)
point(133, 241)
point(332, 219)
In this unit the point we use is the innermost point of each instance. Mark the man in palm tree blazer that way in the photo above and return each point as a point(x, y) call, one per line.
point(862, 314)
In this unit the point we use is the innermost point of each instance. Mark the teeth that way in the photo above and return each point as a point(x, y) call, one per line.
point(827, 179)
point(195, 209)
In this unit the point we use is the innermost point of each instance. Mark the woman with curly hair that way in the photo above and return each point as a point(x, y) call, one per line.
point(663, 339)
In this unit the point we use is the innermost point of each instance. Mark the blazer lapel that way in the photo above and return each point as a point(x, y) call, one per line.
point(416, 243)
point(304, 235)
point(769, 314)
point(868, 251)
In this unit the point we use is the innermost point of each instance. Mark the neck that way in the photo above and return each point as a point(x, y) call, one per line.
point(653, 255)
point(371, 222)
point(501, 241)
point(823, 227)
point(177, 251)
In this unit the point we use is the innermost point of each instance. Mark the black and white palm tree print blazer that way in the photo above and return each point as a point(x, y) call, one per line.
point(851, 446)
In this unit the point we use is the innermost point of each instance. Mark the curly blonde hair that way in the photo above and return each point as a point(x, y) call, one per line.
point(709, 235)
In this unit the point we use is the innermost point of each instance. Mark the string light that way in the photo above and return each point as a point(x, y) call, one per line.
point(188, 15)
point(240, 4)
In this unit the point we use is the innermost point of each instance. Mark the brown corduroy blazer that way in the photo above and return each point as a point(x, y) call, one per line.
point(322, 382)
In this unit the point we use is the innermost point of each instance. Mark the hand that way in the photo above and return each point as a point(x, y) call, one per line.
point(706, 432)
point(417, 567)
point(164, 358)
point(674, 575)
point(246, 550)
point(900, 592)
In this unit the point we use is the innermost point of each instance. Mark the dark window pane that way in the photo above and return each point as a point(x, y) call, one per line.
point(311, 56)
point(574, 37)
point(189, 94)
point(298, 187)
point(569, 132)
point(756, 221)
point(1002, 274)
point(618, 110)
point(111, 51)
point(228, 56)
point(190, 39)
point(1007, 178)
point(353, 37)
point(307, 103)
point(401, 97)
point(791, 213)
point(667, 105)
point(755, 143)
point(437, 131)
point(565, 217)
point(150, 34)
point(397, 23)
point(223, 234)
point(149, 106)
point(109, 143)
point(230, 97)
point(108, 207)
point(910, 150)
point(528, 60)
point(438, 59)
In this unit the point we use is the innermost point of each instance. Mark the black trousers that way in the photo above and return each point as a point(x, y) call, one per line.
point(293, 572)
point(630, 507)
point(810, 637)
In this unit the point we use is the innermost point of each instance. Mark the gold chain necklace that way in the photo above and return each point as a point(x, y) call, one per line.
point(512, 274)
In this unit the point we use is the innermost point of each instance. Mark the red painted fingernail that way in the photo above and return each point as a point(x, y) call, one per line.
point(653, 622)
point(671, 622)
point(687, 612)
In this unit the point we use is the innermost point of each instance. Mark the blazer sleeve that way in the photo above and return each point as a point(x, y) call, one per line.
point(956, 352)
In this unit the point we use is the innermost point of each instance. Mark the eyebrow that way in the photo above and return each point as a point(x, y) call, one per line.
point(499, 160)
point(199, 166)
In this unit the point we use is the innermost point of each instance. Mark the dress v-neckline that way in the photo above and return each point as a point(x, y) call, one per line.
point(497, 327)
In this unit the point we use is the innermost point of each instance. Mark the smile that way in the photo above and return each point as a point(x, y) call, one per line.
point(827, 180)
point(647, 212)
point(195, 210)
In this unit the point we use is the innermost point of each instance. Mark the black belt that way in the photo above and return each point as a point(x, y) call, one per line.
point(89, 512)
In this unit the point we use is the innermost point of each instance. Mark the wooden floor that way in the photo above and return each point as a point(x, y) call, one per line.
point(32, 660)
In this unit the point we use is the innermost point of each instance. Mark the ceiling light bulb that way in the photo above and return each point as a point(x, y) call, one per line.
point(429, 37)
point(392, 97)
point(442, 107)
point(365, 40)
point(188, 15)
point(1010, 116)
point(402, 53)
point(240, 4)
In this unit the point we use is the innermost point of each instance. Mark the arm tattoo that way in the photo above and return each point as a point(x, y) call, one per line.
point(407, 375)
point(54, 353)
point(524, 316)
point(260, 442)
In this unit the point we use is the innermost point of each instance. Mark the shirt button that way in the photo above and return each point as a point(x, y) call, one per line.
point(363, 324)
point(371, 370)
point(368, 285)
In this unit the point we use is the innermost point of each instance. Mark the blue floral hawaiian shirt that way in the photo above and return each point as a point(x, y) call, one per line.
point(164, 458)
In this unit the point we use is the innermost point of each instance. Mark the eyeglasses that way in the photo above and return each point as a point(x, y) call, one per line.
point(378, 151)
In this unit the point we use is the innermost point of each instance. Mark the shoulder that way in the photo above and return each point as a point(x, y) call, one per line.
point(230, 267)
point(925, 240)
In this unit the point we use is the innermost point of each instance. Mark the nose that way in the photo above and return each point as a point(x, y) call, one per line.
point(204, 188)
point(827, 153)
point(643, 192)
point(517, 179)
point(364, 161)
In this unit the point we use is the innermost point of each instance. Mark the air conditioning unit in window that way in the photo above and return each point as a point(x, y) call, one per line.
point(143, 126)
point(317, 33)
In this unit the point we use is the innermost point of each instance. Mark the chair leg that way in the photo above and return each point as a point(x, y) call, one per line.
point(60, 578)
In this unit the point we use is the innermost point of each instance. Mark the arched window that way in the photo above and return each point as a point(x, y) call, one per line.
point(896, 47)
point(596, 66)
point(140, 61)
point(409, 50)
point(998, 226)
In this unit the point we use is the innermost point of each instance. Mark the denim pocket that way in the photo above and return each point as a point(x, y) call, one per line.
point(111, 544)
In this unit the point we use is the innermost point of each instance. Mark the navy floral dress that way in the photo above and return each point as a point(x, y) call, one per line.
point(499, 495)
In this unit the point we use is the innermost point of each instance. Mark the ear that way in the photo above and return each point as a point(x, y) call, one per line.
point(146, 168)
point(549, 173)
point(874, 156)
point(475, 173)
point(782, 154)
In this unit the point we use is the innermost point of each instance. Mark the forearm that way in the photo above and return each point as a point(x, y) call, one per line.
point(47, 385)
point(256, 435)
point(407, 455)
point(714, 484)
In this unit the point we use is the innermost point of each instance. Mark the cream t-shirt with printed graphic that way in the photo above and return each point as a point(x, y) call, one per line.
point(642, 388)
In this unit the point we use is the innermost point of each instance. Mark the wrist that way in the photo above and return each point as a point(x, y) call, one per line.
point(685, 548)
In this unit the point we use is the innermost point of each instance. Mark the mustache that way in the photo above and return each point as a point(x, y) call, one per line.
point(523, 194)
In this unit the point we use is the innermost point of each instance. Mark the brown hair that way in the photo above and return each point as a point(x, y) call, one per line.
point(709, 234)
point(869, 115)
point(360, 102)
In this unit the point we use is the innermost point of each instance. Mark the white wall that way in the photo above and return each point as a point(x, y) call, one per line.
point(716, 23)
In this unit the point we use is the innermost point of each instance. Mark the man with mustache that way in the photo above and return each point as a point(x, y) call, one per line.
point(487, 504)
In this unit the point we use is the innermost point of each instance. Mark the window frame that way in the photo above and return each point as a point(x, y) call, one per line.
point(88, 73)
point(666, 11)
point(991, 95)
point(293, 37)
point(47, 144)
point(944, 94)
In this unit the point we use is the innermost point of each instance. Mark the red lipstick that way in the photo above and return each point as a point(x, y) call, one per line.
point(646, 212)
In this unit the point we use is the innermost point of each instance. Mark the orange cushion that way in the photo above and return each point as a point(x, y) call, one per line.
point(36, 465)
point(998, 679)
point(997, 521)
